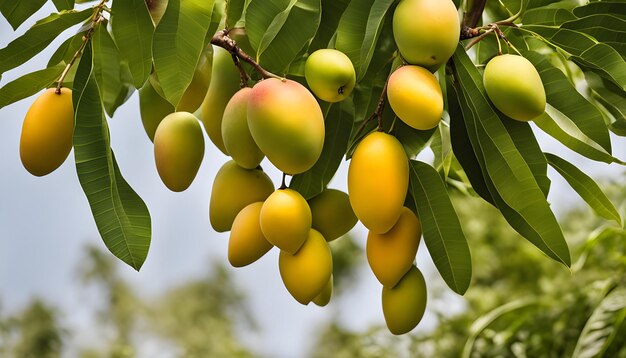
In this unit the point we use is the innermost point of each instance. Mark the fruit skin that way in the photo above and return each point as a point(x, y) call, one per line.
point(197, 89)
point(306, 273)
point(236, 134)
point(47, 131)
point(286, 220)
point(515, 88)
point(178, 150)
point(330, 75)
point(224, 84)
point(415, 96)
point(153, 108)
point(323, 298)
point(247, 243)
point(426, 31)
point(287, 124)
point(390, 255)
point(234, 188)
point(404, 304)
point(332, 214)
point(378, 179)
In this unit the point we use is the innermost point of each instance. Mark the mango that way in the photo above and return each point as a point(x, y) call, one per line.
point(224, 84)
point(404, 305)
point(323, 298)
point(307, 273)
point(286, 220)
point(178, 150)
point(332, 214)
point(247, 242)
point(390, 255)
point(233, 189)
point(236, 134)
point(287, 124)
point(330, 74)
point(415, 97)
point(197, 89)
point(515, 88)
point(426, 31)
point(153, 108)
point(47, 132)
point(378, 179)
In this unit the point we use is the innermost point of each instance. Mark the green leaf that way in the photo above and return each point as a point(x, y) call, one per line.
point(585, 187)
point(39, 37)
point(331, 14)
point(235, 10)
point(29, 84)
point(178, 43)
point(338, 124)
point(121, 216)
point(547, 16)
point(63, 4)
point(413, 140)
point(601, 7)
point(132, 29)
point(359, 29)
point(279, 29)
point(608, 94)
point(442, 230)
point(606, 28)
point(66, 51)
point(505, 167)
point(16, 12)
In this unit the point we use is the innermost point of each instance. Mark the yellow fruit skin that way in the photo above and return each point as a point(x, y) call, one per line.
point(47, 131)
point(153, 108)
point(197, 89)
point(224, 84)
point(247, 243)
point(236, 134)
point(287, 124)
point(404, 304)
point(332, 214)
point(515, 88)
point(426, 31)
point(286, 220)
point(330, 74)
point(178, 150)
point(323, 298)
point(234, 188)
point(306, 273)
point(390, 255)
point(378, 179)
point(415, 96)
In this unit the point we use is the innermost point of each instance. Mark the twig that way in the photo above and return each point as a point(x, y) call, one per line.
point(242, 71)
point(224, 41)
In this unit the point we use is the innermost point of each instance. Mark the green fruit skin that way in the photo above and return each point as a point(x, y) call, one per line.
point(404, 305)
point(330, 75)
point(234, 188)
point(323, 298)
point(332, 214)
point(286, 220)
point(307, 273)
point(236, 134)
point(224, 84)
point(153, 108)
point(426, 31)
point(287, 124)
point(515, 88)
point(196, 90)
point(46, 138)
point(247, 242)
point(178, 150)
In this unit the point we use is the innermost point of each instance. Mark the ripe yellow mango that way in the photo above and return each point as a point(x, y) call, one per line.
point(323, 298)
point(178, 150)
point(153, 108)
point(47, 131)
point(404, 304)
point(247, 243)
point(286, 220)
point(224, 84)
point(390, 255)
point(415, 96)
point(515, 88)
point(426, 31)
point(287, 124)
point(234, 188)
point(196, 90)
point(378, 179)
point(236, 134)
point(306, 273)
point(332, 214)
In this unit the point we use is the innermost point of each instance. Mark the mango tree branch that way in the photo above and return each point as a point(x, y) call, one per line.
point(224, 41)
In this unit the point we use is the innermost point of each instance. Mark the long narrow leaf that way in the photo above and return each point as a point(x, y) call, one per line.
point(29, 84)
point(16, 12)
